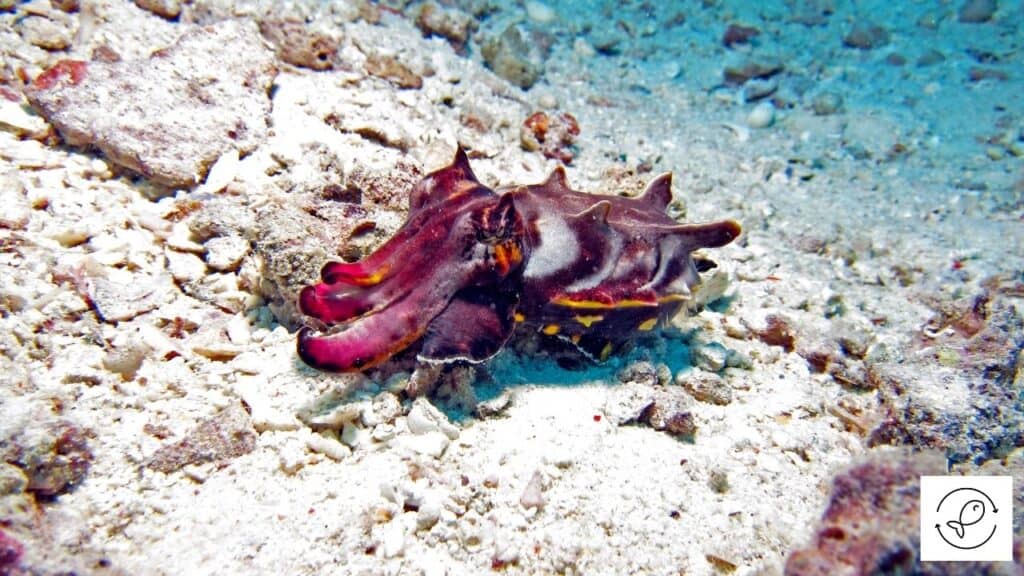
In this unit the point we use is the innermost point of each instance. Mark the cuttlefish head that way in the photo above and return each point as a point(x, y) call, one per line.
point(448, 280)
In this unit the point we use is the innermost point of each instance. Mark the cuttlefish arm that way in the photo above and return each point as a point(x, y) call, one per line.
point(467, 242)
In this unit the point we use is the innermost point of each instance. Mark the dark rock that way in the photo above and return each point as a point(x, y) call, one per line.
point(977, 11)
point(741, 73)
point(777, 331)
point(10, 554)
point(54, 457)
point(189, 103)
point(866, 35)
point(738, 34)
point(977, 74)
point(642, 372)
point(224, 436)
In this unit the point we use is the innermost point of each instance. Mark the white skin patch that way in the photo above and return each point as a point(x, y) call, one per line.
point(558, 249)
point(602, 273)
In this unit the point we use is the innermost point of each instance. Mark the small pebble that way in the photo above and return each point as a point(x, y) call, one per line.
point(761, 116)
point(583, 49)
point(706, 387)
point(393, 540)
point(930, 57)
point(429, 513)
point(929, 21)
point(45, 33)
point(866, 36)
point(710, 357)
point(977, 11)
point(424, 418)
point(827, 103)
point(165, 8)
point(225, 253)
point(328, 447)
point(539, 12)
point(758, 88)
point(533, 496)
point(221, 173)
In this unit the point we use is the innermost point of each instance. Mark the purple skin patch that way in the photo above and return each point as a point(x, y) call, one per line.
point(471, 264)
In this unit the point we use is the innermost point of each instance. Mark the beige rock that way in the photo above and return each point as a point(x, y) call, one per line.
point(45, 33)
point(191, 102)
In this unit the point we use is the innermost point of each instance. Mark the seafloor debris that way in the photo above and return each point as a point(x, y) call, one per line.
point(392, 69)
point(553, 134)
point(977, 11)
point(297, 43)
point(752, 68)
point(777, 331)
point(188, 103)
point(10, 554)
point(451, 24)
point(47, 32)
point(739, 34)
point(664, 408)
point(54, 457)
point(866, 35)
point(169, 9)
point(226, 435)
point(512, 57)
point(962, 391)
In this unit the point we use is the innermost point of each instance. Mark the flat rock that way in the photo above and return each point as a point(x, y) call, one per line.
point(189, 103)
point(226, 435)
point(118, 301)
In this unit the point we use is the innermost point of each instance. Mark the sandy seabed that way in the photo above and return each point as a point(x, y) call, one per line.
point(154, 417)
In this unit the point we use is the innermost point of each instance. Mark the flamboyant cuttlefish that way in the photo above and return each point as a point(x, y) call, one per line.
point(472, 264)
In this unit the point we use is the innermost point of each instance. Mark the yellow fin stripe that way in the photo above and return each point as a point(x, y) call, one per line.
point(647, 325)
point(594, 304)
point(551, 329)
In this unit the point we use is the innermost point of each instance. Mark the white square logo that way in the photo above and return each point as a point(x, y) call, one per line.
point(967, 518)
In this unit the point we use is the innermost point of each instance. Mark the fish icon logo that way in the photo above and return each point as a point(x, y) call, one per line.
point(972, 513)
point(968, 530)
point(966, 518)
